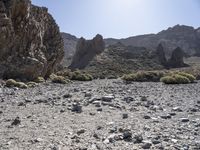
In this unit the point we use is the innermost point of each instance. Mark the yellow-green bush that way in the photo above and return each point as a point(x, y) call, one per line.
point(32, 84)
point(178, 78)
point(75, 75)
point(59, 79)
point(144, 76)
point(13, 83)
point(39, 80)
point(187, 75)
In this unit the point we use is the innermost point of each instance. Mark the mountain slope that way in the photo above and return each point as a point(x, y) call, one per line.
point(185, 37)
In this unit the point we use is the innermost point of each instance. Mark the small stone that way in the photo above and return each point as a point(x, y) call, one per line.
point(168, 116)
point(147, 117)
point(138, 138)
point(128, 99)
point(155, 141)
point(62, 111)
point(146, 145)
point(178, 109)
point(67, 95)
point(184, 120)
point(143, 98)
point(88, 94)
point(76, 107)
point(172, 114)
point(16, 121)
point(127, 135)
point(21, 104)
point(108, 98)
point(81, 131)
point(125, 116)
point(99, 109)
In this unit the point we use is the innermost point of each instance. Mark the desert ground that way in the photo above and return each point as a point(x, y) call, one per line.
point(100, 115)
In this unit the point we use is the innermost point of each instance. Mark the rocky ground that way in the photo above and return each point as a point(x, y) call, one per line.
point(100, 115)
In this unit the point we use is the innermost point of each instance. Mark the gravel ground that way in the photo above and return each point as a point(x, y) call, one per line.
point(100, 115)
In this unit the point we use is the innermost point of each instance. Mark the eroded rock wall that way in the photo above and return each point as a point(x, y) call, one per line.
point(30, 40)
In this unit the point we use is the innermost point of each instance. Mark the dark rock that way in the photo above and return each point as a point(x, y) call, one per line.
point(128, 99)
point(99, 109)
point(147, 117)
point(16, 121)
point(125, 116)
point(127, 135)
point(30, 41)
point(146, 145)
point(161, 55)
point(138, 138)
point(81, 131)
point(168, 116)
point(108, 98)
point(67, 95)
point(176, 60)
point(86, 50)
point(184, 120)
point(76, 107)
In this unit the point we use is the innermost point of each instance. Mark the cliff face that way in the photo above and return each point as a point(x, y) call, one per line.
point(70, 42)
point(86, 50)
point(30, 41)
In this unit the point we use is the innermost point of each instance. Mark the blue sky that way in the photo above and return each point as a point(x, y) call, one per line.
point(121, 18)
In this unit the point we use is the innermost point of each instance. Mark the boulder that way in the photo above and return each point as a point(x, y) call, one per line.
point(86, 50)
point(30, 41)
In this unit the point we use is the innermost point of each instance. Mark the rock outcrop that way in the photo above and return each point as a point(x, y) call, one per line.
point(70, 42)
point(86, 50)
point(176, 60)
point(161, 55)
point(30, 40)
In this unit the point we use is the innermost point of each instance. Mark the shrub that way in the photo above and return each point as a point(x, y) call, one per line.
point(178, 78)
point(59, 79)
point(39, 80)
point(13, 83)
point(187, 75)
point(145, 76)
point(77, 75)
point(32, 84)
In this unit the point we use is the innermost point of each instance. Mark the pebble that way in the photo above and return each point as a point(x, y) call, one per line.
point(127, 135)
point(81, 131)
point(146, 145)
point(76, 107)
point(125, 116)
point(147, 117)
point(184, 120)
point(16, 121)
point(108, 98)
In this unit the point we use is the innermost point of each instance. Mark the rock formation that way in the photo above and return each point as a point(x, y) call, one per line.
point(30, 41)
point(176, 60)
point(86, 50)
point(161, 55)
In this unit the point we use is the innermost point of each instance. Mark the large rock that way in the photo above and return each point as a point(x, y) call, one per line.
point(86, 50)
point(30, 41)
point(176, 59)
point(161, 55)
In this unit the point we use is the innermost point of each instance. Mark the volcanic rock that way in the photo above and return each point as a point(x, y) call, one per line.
point(30, 41)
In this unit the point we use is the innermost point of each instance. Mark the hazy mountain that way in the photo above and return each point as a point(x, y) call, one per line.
point(185, 37)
